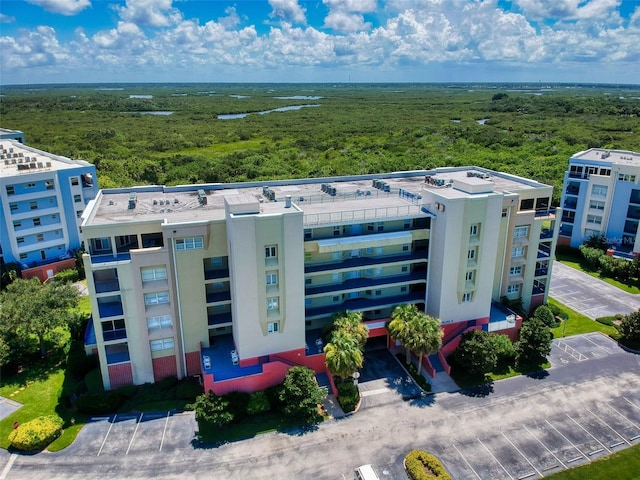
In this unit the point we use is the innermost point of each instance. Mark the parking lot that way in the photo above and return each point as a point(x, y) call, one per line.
point(132, 434)
point(572, 434)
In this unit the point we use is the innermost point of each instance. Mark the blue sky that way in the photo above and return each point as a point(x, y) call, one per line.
point(88, 41)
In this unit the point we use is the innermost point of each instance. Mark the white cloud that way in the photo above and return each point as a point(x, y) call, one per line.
point(347, 15)
point(63, 7)
point(6, 18)
point(567, 9)
point(36, 48)
point(125, 37)
point(288, 11)
point(154, 13)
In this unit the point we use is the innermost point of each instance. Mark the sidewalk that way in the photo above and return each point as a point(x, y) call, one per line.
point(332, 406)
point(442, 383)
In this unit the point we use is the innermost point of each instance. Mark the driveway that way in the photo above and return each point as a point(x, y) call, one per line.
point(588, 295)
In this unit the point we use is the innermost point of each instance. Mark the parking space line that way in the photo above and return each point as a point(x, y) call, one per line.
point(107, 434)
point(134, 433)
point(570, 442)
point(588, 433)
point(597, 345)
point(545, 447)
point(164, 431)
point(7, 467)
point(494, 457)
point(610, 428)
point(573, 351)
point(622, 415)
point(523, 455)
point(631, 403)
point(466, 461)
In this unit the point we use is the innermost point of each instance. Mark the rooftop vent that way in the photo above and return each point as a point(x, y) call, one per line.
point(202, 197)
point(133, 199)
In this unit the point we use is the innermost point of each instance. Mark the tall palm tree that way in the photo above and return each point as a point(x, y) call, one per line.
point(352, 322)
point(425, 337)
point(400, 328)
point(343, 355)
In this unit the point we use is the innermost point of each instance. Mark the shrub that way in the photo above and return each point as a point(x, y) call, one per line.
point(273, 395)
point(606, 321)
point(348, 396)
point(93, 381)
point(238, 403)
point(189, 390)
point(127, 391)
point(167, 383)
point(36, 434)
point(258, 403)
point(422, 465)
point(79, 363)
point(545, 315)
point(99, 404)
point(213, 410)
point(69, 275)
point(630, 327)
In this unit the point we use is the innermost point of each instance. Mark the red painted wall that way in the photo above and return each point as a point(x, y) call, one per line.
point(41, 272)
point(536, 301)
point(164, 367)
point(120, 375)
point(194, 366)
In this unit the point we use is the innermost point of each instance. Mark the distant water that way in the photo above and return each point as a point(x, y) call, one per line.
point(160, 112)
point(482, 121)
point(240, 96)
point(299, 97)
point(234, 116)
point(148, 97)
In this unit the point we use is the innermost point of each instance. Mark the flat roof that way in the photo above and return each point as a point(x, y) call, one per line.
point(614, 157)
point(335, 199)
point(18, 159)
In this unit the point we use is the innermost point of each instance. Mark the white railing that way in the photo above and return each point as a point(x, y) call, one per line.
point(361, 215)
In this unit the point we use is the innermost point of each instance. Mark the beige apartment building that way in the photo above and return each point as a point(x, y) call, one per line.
point(235, 282)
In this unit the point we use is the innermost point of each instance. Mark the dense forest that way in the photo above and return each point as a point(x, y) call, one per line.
point(171, 134)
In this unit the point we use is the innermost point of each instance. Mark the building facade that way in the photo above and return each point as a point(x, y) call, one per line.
point(601, 196)
point(42, 197)
point(235, 282)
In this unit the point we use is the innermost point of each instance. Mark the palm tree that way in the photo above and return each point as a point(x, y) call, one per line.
point(343, 355)
point(425, 337)
point(352, 322)
point(399, 327)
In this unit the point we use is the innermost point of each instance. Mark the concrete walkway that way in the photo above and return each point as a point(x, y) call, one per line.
point(588, 295)
point(442, 383)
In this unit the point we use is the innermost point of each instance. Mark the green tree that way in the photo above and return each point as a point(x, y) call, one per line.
point(399, 327)
point(426, 336)
point(630, 327)
point(477, 352)
point(534, 344)
point(351, 323)
point(213, 409)
point(343, 355)
point(300, 393)
point(545, 315)
point(30, 308)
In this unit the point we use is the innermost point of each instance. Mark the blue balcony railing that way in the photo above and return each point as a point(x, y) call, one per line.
point(365, 282)
point(118, 334)
point(219, 318)
point(218, 296)
point(360, 304)
point(417, 254)
point(216, 273)
point(110, 286)
point(111, 309)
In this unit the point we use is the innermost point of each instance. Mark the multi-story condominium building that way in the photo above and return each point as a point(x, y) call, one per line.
point(235, 282)
point(601, 196)
point(42, 197)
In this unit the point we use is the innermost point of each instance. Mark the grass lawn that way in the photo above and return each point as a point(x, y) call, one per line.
point(575, 261)
point(578, 323)
point(248, 427)
point(466, 380)
point(623, 465)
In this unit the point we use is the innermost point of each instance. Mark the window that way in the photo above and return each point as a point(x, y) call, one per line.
point(272, 303)
point(514, 288)
point(526, 204)
point(517, 252)
point(20, 240)
point(626, 177)
point(307, 234)
point(473, 230)
point(33, 205)
point(271, 251)
point(378, 293)
point(162, 344)
point(380, 226)
point(48, 184)
point(272, 327)
point(504, 212)
point(471, 254)
point(308, 281)
point(17, 224)
point(23, 256)
point(379, 250)
point(102, 243)
point(405, 268)
point(599, 190)
point(407, 224)
point(75, 181)
point(37, 222)
point(369, 250)
point(272, 278)
point(161, 321)
point(370, 227)
point(403, 288)
point(307, 304)
point(466, 297)
point(405, 248)
point(153, 273)
point(520, 232)
point(77, 198)
point(469, 276)
point(156, 298)
point(29, 185)
point(596, 205)
point(336, 256)
point(10, 190)
point(335, 298)
point(515, 271)
point(40, 237)
point(78, 213)
point(597, 219)
point(189, 243)
point(13, 207)
point(606, 172)
point(336, 230)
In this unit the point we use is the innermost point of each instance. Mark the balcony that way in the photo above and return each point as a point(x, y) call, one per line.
point(360, 304)
point(107, 286)
point(538, 290)
point(545, 212)
point(361, 215)
point(110, 309)
point(546, 233)
point(108, 258)
point(570, 203)
point(544, 251)
point(216, 273)
point(222, 296)
point(572, 189)
point(417, 254)
point(368, 282)
point(118, 334)
point(118, 353)
point(217, 319)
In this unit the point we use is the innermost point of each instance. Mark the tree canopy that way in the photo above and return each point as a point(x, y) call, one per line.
point(300, 393)
point(534, 344)
point(416, 331)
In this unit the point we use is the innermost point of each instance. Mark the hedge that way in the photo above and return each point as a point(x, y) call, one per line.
point(36, 434)
point(98, 404)
point(348, 396)
point(422, 465)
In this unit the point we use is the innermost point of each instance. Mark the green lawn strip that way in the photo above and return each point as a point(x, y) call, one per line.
point(622, 465)
point(514, 371)
point(578, 323)
point(575, 262)
point(68, 435)
point(248, 427)
point(466, 380)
